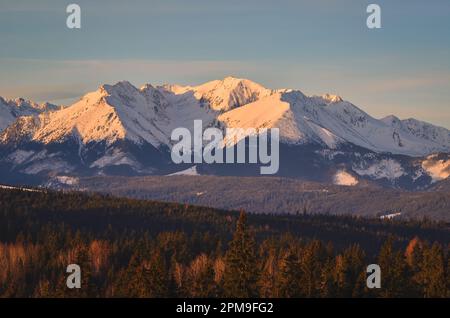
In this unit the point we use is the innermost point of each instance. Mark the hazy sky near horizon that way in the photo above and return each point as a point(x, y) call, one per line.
point(317, 46)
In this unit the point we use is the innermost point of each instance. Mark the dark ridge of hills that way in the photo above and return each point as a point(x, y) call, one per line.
point(274, 195)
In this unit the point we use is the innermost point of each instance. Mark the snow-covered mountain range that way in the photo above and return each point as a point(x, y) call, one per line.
point(121, 129)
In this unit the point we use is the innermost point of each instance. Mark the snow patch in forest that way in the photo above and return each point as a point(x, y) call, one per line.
point(342, 177)
point(192, 171)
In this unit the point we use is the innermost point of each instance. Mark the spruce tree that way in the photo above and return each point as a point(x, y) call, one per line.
point(327, 284)
point(289, 277)
point(268, 277)
point(200, 276)
point(131, 281)
point(414, 259)
point(393, 271)
point(156, 277)
point(313, 258)
point(240, 274)
point(448, 276)
point(432, 272)
point(350, 272)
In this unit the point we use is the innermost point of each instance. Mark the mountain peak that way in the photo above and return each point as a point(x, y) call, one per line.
point(233, 78)
point(122, 86)
point(146, 87)
point(330, 98)
point(232, 82)
point(230, 93)
point(391, 119)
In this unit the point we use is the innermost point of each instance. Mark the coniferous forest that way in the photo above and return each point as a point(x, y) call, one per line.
point(137, 248)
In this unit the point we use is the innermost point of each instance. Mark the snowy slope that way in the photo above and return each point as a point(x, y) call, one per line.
point(432, 137)
point(11, 109)
point(344, 178)
point(437, 168)
point(298, 122)
point(109, 114)
point(331, 121)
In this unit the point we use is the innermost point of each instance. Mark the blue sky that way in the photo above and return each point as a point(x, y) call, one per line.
point(318, 46)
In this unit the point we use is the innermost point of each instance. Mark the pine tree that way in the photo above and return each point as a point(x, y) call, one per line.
point(240, 275)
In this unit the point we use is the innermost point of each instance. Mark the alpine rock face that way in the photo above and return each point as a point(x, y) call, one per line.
point(121, 129)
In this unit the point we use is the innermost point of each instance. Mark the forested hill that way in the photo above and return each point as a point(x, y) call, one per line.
point(143, 248)
point(275, 195)
point(28, 211)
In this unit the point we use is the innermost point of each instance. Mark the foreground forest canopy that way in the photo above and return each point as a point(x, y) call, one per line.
point(137, 248)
